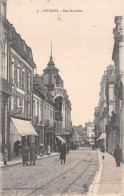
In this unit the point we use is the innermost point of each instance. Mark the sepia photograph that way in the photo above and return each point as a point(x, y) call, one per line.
point(61, 98)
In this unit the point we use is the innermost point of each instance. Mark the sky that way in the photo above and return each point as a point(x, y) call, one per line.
point(82, 44)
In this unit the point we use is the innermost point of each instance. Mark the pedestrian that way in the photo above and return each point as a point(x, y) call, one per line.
point(16, 146)
point(41, 150)
point(25, 154)
point(67, 148)
point(63, 152)
point(49, 149)
point(118, 156)
point(33, 152)
point(5, 155)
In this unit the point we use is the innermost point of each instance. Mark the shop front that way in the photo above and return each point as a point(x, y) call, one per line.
point(49, 138)
point(20, 131)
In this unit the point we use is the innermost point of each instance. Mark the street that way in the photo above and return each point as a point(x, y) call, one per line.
point(50, 177)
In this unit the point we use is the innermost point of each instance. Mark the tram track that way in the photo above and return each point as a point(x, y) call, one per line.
point(77, 178)
point(34, 191)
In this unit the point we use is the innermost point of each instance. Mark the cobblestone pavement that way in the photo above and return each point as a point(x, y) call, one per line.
point(22, 180)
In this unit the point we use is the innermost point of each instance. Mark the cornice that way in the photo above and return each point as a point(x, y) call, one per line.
point(14, 40)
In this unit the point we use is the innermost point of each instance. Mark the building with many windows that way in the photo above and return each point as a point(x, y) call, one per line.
point(17, 70)
point(55, 86)
point(90, 132)
point(33, 108)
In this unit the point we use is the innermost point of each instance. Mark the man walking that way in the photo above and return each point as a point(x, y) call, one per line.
point(118, 156)
point(63, 152)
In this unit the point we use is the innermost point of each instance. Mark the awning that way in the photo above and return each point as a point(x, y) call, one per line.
point(61, 139)
point(102, 136)
point(24, 127)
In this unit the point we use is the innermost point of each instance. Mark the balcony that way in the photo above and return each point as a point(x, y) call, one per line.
point(6, 86)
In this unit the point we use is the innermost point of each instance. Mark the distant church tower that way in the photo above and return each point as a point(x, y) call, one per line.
point(51, 76)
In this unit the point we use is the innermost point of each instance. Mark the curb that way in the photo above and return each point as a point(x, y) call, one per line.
point(93, 190)
point(12, 164)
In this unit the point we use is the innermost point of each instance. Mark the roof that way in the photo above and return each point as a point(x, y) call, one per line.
point(51, 65)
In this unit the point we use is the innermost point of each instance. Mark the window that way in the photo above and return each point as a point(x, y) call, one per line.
point(19, 101)
point(23, 102)
point(28, 82)
point(13, 69)
point(23, 78)
point(47, 113)
point(28, 109)
point(18, 72)
point(37, 108)
point(50, 113)
point(12, 103)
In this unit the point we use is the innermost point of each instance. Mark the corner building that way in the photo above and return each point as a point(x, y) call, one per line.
point(55, 86)
point(17, 69)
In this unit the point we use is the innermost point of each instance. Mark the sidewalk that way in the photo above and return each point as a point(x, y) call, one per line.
point(109, 179)
point(19, 160)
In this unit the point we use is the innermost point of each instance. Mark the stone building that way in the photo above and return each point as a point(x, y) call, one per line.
point(55, 86)
point(105, 106)
point(79, 134)
point(43, 114)
point(118, 58)
point(90, 132)
point(113, 94)
point(17, 69)
point(112, 127)
point(5, 85)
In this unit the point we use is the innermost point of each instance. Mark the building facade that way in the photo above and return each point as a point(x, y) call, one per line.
point(90, 132)
point(118, 58)
point(17, 69)
point(55, 86)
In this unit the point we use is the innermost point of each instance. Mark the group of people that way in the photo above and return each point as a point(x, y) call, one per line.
point(29, 153)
